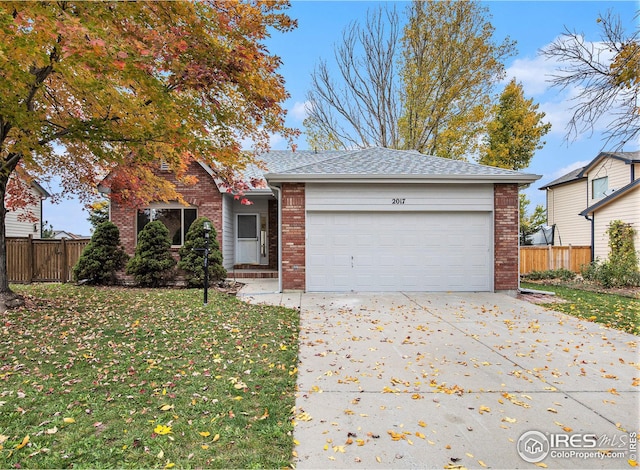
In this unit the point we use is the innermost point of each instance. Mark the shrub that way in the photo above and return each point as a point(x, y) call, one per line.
point(561, 274)
point(152, 262)
point(102, 257)
point(192, 255)
point(609, 274)
point(621, 269)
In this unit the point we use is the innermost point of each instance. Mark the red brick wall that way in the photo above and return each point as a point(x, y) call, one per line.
point(293, 236)
point(505, 236)
point(204, 195)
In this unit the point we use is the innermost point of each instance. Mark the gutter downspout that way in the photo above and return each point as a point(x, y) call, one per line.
point(593, 239)
point(279, 198)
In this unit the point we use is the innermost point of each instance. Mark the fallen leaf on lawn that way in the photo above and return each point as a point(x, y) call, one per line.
point(161, 429)
point(170, 465)
point(166, 407)
point(205, 433)
point(69, 420)
point(53, 430)
point(216, 438)
point(160, 454)
point(24, 442)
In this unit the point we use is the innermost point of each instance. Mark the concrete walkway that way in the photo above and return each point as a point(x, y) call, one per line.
point(454, 380)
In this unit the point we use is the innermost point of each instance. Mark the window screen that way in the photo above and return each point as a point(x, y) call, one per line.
point(247, 227)
point(599, 187)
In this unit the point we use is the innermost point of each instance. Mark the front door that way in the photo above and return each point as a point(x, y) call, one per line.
point(248, 239)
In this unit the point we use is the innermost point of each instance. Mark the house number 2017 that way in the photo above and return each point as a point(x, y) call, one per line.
point(397, 200)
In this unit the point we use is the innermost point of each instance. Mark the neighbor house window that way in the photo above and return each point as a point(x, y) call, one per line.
point(599, 187)
point(176, 219)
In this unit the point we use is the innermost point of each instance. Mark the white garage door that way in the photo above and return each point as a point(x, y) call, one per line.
point(396, 251)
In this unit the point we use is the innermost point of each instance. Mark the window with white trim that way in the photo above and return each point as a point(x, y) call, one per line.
point(175, 217)
point(599, 187)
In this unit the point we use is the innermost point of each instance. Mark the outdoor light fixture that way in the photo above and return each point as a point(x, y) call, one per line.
point(207, 229)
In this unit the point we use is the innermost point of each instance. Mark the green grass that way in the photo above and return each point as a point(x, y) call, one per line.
point(133, 378)
point(615, 311)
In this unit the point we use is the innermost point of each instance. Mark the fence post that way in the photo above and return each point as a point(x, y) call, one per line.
point(550, 257)
point(570, 259)
point(65, 267)
point(30, 259)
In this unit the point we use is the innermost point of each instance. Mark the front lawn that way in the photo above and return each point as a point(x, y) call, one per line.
point(137, 378)
point(616, 311)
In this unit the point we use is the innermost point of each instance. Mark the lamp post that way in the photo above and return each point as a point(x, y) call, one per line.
point(207, 228)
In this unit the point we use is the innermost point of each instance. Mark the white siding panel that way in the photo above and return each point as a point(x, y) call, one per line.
point(399, 197)
point(617, 172)
point(17, 226)
point(564, 204)
point(228, 238)
point(625, 208)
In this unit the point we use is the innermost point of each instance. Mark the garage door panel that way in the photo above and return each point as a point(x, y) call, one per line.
point(385, 251)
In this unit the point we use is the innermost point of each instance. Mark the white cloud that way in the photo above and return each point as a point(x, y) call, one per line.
point(300, 110)
point(563, 171)
point(533, 73)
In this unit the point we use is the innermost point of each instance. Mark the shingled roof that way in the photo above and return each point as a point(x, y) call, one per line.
point(380, 163)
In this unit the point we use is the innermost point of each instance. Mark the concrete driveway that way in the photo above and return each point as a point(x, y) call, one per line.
point(458, 380)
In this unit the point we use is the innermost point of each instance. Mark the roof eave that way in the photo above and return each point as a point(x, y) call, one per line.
point(609, 199)
point(524, 178)
point(563, 183)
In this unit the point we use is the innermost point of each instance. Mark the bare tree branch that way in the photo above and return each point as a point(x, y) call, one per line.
point(367, 102)
point(607, 78)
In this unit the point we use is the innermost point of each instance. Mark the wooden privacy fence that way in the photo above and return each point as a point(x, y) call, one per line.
point(544, 258)
point(42, 260)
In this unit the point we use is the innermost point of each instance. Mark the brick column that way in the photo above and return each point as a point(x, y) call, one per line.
point(506, 246)
point(293, 236)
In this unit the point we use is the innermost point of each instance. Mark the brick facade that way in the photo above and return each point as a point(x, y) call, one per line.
point(204, 195)
point(506, 246)
point(293, 236)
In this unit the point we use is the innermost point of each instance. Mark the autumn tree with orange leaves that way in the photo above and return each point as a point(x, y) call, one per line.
point(88, 88)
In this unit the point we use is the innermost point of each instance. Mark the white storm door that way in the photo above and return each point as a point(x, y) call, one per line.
point(248, 239)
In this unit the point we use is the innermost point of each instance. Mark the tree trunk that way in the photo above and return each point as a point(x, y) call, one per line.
point(8, 298)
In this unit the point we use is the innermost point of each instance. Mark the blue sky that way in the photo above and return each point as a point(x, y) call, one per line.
point(532, 24)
